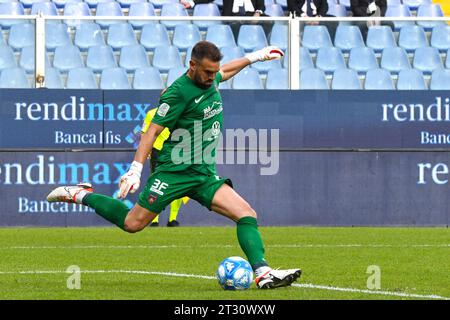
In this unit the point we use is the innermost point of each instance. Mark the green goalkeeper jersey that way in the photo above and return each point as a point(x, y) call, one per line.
point(194, 117)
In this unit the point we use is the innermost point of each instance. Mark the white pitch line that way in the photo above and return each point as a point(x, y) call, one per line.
point(227, 246)
point(184, 275)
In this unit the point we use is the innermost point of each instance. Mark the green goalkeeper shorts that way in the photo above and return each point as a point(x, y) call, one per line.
point(164, 187)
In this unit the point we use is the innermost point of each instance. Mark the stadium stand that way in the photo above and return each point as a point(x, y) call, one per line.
point(131, 45)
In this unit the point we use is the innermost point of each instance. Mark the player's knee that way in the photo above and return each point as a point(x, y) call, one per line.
point(133, 226)
point(250, 212)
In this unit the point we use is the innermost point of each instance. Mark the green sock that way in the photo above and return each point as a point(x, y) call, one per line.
point(111, 209)
point(174, 209)
point(251, 242)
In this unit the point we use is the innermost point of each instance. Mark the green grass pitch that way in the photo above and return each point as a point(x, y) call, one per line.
point(180, 263)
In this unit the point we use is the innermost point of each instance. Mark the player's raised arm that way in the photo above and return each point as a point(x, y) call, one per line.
point(131, 180)
point(230, 69)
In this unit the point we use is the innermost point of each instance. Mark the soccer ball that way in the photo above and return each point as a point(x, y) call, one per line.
point(234, 273)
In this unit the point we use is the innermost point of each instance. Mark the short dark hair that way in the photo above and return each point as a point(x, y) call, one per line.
point(205, 49)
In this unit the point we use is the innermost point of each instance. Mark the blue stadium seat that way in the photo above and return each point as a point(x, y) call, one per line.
point(154, 35)
point(412, 37)
point(174, 74)
point(221, 35)
point(378, 79)
point(313, 79)
point(346, 3)
point(81, 78)
point(27, 59)
point(61, 3)
point(56, 35)
point(166, 58)
point(128, 3)
point(159, 3)
point(411, 80)
point(100, 58)
point(147, 79)
point(231, 53)
point(53, 79)
point(108, 9)
point(305, 59)
point(251, 37)
point(264, 67)
point(76, 9)
point(399, 11)
point(206, 10)
point(316, 37)
point(67, 57)
point(395, 59)
point(247, 79)
point(140, 9)
point(120, 35)
point(348, 37)
point(274, 10)
point(219, 3)
point(277, 79)
point(21, 35)
point(440, 79)
point(7, 59)
point(440, 38)
point(380, 37)
point(330, 59)
point(362, 59)
point(225, 85)
point(415, 4)
point(94, 3)
point(14, 78)
point(447, 60)
point(279, 36)
point(427, 59)
point(337, 10)
point(28, 3)
point(11, 8)
point(267, 2)
point(47, 8)
point(187, 58)
point(282, 3)
point(133, 57)
point(185, 36)
point(113, 79)
point(345, 79)
point(430, 10)
point(87, 35)
point(394, 2)
point(173, 10)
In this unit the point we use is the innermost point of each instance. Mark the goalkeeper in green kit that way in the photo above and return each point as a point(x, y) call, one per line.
point(191, 108)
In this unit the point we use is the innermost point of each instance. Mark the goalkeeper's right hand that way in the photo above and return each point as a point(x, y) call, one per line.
point(131, 180)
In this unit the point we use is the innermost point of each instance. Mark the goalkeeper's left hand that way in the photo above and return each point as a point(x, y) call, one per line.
point(265, 54)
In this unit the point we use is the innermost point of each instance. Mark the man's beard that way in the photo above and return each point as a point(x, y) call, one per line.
point(200, 84)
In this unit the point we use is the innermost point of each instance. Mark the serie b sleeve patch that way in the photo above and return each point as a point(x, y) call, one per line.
point(163, 109)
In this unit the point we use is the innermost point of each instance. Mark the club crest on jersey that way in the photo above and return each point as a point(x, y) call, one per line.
point(152, 198)
point(213, 110)
point(162, 110)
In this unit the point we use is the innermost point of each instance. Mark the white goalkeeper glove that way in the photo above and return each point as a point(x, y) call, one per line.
point(131, 180)
point(265, 54)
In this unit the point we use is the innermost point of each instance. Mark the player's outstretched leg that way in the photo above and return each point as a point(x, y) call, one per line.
point(110, 209)
point(230, 204)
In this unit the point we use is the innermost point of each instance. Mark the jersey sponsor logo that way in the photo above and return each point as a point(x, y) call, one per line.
point(158, 186)
point(162, 110)
point(211, 111)
point(198, 99)
point(152, 198)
